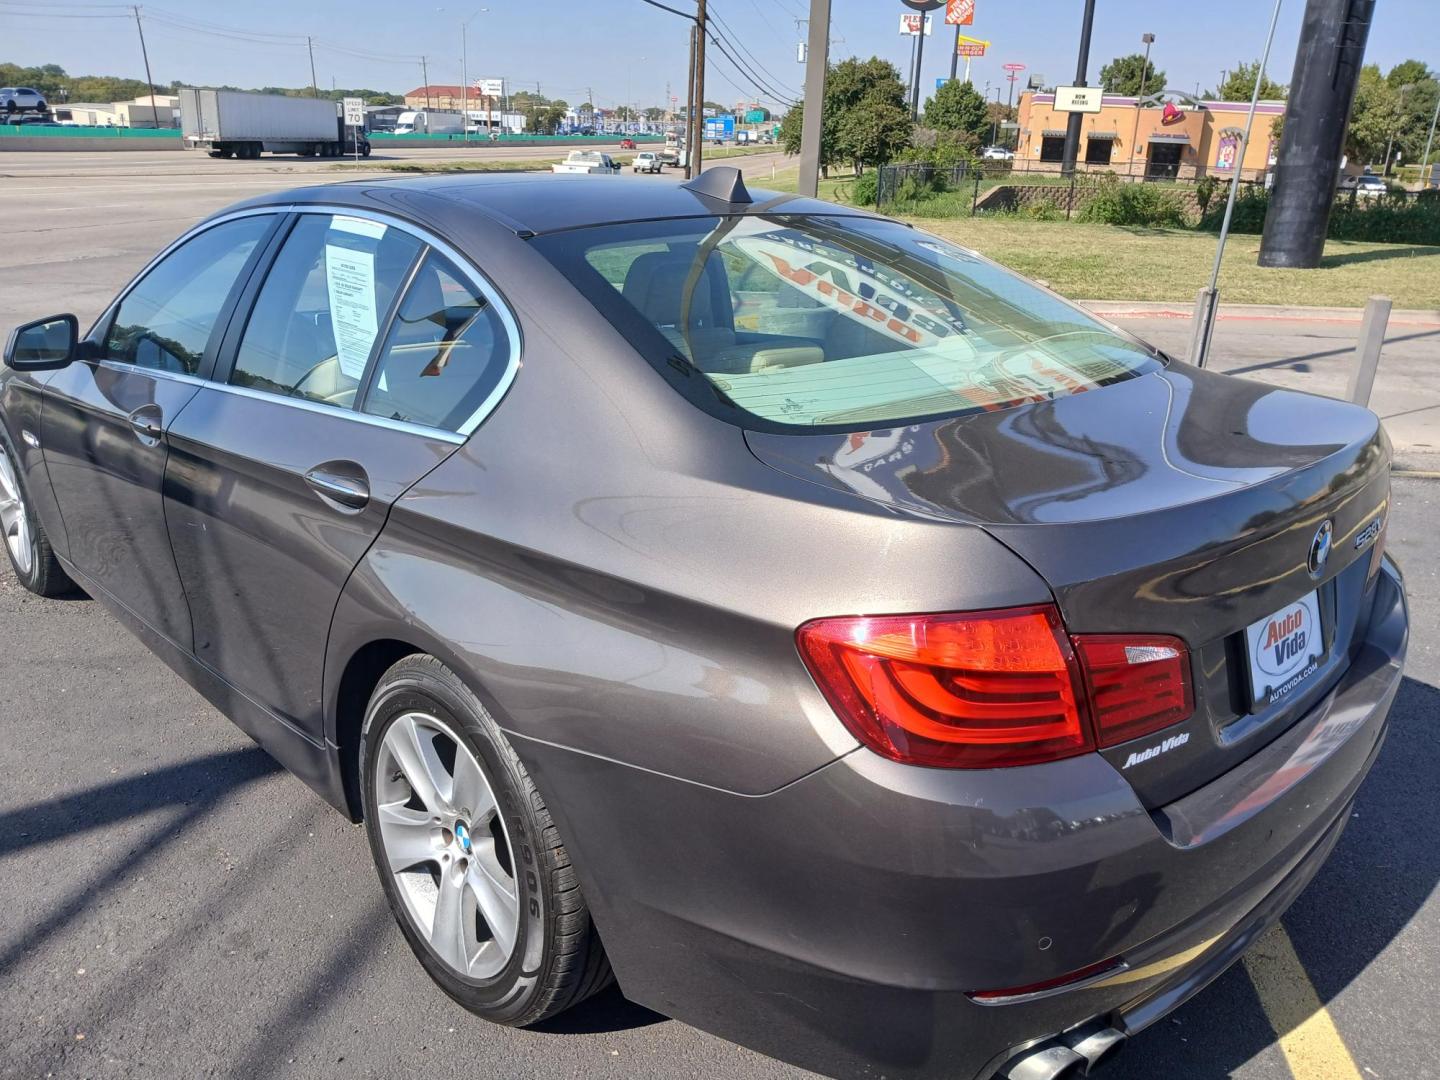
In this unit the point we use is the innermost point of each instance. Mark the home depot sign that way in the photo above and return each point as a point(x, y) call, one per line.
point(960, 12)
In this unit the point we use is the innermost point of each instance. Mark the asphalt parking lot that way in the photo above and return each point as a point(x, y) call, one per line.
point(174, 905)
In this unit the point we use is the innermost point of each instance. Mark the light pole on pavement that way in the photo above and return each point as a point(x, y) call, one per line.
point(465, 79)
point(1148, 39)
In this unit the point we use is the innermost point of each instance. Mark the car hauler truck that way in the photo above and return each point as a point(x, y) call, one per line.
point(233, 123)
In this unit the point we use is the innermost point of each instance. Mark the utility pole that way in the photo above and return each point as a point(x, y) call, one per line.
point(1148, 39)
point(314, 89)
point(690, 104)
point(817, 59)
point(702, 29)
point(154, 111)
point(1082, 65)
point(955, 57)
point(425, 71)
point(464, 87)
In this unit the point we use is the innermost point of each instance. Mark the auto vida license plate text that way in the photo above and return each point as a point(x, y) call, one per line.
point(1284, 649)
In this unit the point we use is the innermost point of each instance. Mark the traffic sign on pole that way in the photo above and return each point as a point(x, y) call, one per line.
point(354, 110)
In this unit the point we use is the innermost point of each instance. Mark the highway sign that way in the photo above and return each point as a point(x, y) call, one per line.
point(354, 111)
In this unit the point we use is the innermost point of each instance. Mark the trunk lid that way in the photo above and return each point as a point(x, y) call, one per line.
point(1181, 502)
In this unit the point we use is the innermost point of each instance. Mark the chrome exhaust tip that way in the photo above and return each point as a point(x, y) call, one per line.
point(1051, 1063)
point(1095, 1045)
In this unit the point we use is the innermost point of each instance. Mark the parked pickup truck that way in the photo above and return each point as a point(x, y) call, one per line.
point(586, 161)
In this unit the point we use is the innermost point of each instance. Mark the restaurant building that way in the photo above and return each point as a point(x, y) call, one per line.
point(1177, 137)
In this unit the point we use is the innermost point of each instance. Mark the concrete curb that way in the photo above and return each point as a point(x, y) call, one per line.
point(1121, 309)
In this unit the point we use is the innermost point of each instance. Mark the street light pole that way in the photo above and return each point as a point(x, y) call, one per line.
point(1399, 119)
point(1429, 141)
point(1148, 39)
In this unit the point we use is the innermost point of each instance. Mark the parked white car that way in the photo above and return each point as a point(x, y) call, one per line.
point(586, 161)
point(15, 99)
point(646, 161)
point(1365, 186)
point(997, 153)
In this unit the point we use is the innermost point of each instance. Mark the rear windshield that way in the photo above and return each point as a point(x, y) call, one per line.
point(781, 322)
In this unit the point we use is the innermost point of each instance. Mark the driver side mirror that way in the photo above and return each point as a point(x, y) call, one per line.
point(43, 345)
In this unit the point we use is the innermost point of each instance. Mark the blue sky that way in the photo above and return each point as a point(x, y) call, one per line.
point(626, 50)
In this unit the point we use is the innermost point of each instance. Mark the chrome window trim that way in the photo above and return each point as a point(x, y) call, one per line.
point(461, 263)
point(325, 409)
point(204, 226)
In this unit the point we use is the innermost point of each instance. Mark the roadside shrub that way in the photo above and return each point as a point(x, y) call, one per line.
point(1114, 203)
point(1392, 220)
point(1046, 209)
point(1205, 192)
point(1250, 205)
point(865, 188)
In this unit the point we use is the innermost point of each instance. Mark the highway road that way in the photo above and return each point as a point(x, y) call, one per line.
point(176, 906)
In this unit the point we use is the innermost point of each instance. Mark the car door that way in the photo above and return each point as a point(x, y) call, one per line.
point(104, 419)
point(369, 352)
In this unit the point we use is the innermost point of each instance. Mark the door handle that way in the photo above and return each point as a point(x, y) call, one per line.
point(146, 423)
point(341, 482)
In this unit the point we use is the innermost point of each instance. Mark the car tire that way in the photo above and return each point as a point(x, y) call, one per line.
point(421, 721)
point(26, 545)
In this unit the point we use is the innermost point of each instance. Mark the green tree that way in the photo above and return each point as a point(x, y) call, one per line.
point(850, 85)
point(1374, 116)
point(1128, 74)
point(1239, 85)
point(875, 131)
point(1409, 72)
point(957, 106)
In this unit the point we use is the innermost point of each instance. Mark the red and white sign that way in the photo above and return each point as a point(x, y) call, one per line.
point(910, 24)
point(969, 48)
point(959, 12)
point(1013, 67)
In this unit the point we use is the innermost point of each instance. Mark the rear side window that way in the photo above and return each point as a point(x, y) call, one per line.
point(165, 322)
point(325, 298)
point(785, 322)
point(446, 353)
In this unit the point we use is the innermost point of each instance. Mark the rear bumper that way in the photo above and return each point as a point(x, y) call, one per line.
point(839, 922)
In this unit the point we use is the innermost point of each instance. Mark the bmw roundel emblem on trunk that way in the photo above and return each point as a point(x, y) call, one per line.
point(1320, 548)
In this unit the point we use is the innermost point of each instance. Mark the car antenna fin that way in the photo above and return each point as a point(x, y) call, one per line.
point(722, 183)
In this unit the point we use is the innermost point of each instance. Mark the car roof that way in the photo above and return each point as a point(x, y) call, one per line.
point(534, 203)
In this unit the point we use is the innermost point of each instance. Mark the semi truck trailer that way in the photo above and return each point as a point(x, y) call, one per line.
point(234, 123)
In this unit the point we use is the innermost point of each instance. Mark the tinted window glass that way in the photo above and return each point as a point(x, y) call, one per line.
point(785, 322)
point(325, 297)
point(166, 320)
point(446, 352)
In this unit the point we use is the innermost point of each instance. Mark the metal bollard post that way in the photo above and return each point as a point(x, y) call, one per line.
point(1203, 325)
point(1367, 349)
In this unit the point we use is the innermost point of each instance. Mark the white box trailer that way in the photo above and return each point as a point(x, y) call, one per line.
point(233, 123)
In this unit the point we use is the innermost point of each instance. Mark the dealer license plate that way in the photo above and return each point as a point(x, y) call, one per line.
point(1284, 650)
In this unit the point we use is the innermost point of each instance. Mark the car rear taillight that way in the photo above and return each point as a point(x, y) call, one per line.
point(1136, 684)
point(977, 690)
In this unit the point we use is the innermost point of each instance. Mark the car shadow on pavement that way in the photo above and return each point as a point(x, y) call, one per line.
point(1377, 879)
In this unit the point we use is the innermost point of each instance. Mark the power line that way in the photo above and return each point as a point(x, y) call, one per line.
point(734, 39)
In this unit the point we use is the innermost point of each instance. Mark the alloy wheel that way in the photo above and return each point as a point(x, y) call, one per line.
point(14, 520)
point(446, 846)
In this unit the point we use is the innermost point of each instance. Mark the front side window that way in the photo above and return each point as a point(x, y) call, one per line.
point(324, 301)
point(804, 322)
point(165, 322)
point(447, 351)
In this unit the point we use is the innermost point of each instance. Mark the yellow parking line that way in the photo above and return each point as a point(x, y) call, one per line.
point(1312, 1046)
